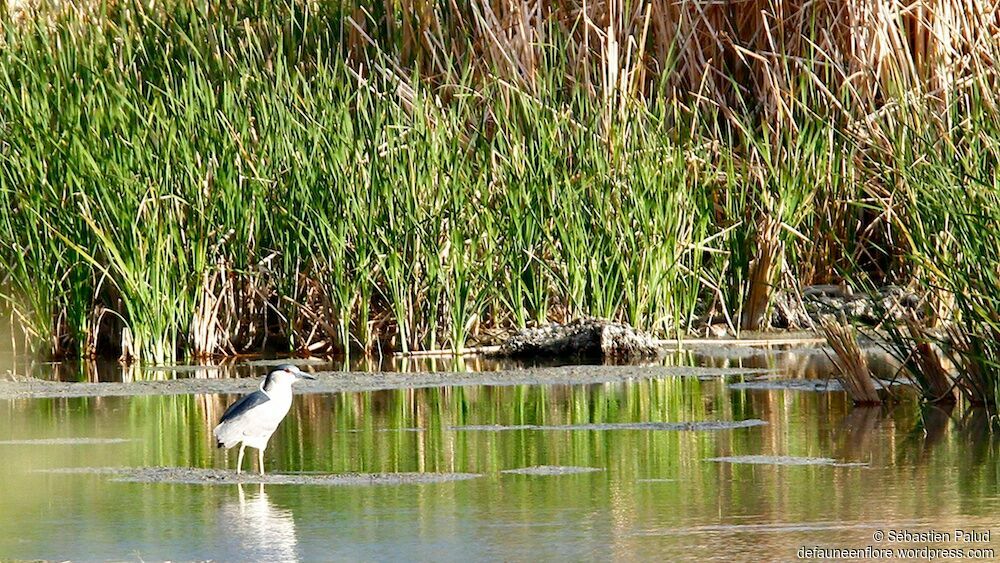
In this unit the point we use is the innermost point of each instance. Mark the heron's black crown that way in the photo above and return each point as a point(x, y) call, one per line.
point(270, 375)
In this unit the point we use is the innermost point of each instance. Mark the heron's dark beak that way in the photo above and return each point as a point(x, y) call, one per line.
point(304, 375)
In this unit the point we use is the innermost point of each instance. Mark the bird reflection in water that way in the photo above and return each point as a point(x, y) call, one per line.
point(253, 529)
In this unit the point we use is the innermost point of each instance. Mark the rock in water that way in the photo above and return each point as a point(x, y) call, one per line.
point(585, 337)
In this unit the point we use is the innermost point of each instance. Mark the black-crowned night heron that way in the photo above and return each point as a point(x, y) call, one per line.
point(251, 420)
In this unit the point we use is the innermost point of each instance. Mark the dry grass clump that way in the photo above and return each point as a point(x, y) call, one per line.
point(976, 378)
point(765, 268)
point(927, 367)
point(851, 363)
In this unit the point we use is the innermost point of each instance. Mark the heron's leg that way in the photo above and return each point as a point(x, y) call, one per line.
point(239, 460)
point(260, 460)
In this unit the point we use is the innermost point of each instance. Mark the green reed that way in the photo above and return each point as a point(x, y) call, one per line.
point(218, 178)
point(940, 172)
point(177, 144)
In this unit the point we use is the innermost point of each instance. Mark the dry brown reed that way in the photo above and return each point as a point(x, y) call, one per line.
point(725, 54)
point(763, 276)
point(851, 363)
point(928, 366)
point(972, 380)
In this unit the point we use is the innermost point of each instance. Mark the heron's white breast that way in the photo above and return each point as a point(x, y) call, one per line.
point(261, 421)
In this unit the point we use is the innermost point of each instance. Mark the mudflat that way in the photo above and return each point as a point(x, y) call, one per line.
point(337, 381)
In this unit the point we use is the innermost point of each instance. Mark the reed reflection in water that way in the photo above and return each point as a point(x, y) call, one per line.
point(655, 492)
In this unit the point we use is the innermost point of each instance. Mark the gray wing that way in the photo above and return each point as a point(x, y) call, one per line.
point(244, 404)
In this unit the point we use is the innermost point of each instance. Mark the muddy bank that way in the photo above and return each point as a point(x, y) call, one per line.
point(586, 337)
point(335, 382)
point(199, 476)
point(889, 303)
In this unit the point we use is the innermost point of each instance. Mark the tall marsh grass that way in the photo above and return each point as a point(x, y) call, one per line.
point(195, 179)
point(191, 173)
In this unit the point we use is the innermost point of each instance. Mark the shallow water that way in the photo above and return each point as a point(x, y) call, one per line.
point(601, 471)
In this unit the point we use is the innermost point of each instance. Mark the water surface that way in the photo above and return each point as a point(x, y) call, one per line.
point(629, 487)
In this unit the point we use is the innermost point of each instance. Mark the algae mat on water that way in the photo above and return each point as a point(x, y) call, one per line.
point(694, 426)
point(200, 476)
